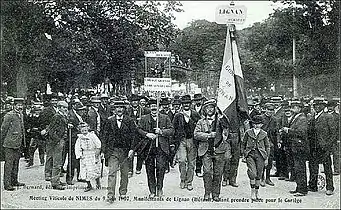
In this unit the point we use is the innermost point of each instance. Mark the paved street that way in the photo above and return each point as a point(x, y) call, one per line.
point(37, 193)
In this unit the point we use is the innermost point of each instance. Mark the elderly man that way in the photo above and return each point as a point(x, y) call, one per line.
point(156, 131)
point(13, 136)
point(184, 124)
point(211, 132)
point(118, 146)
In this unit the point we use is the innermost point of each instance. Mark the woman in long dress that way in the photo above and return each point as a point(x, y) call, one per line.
point(87, 149)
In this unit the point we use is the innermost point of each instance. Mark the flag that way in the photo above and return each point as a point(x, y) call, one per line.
point(231, 98)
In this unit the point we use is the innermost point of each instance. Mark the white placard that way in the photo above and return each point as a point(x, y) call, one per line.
point(227, 14)
point(157, 84)
point(157, 54)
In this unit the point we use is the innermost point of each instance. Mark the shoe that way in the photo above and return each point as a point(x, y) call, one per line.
point(298, 194)
point(48, 179)
point(253, 194)
point(18, 184)
point(224, 183)
point(287, 179)
point(63, 183)
point(69, 183)
point(329, 192)
point(138, 172)
point(9, 188)
point(216, 198)
point(293, 192)
point(182, 184)
point(262, 183)
point(336, 173)
point(81, 180)
point(281, 178)
point(58, 187)
point(257, 194)
point(199, 174)
point(269, 182)
point(207, 197)
point(189, 187)
point(312, 189)
point(152, 195)
point(159, 193)
point(88, 188)
point(130, 174)
point(110, 200)
point(233, 184)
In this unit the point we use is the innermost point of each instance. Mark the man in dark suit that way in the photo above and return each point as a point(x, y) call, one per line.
point(57, 136)
point(184, 124)
point(297, 134)
point(75, 118)
point(211, 134)
point(156, 143)
point(334, 110)
point(13, 138)
point(322, 131)
point(118, 146)
point(136, 111)
point(165, 102)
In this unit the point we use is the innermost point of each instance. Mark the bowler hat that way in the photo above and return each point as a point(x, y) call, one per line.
point(197, 97)
point(186, 99)
point(257, 119)
point(164, 101)
point(18, 100)
point(152, 101)
point(176, 102)
point(134, 97)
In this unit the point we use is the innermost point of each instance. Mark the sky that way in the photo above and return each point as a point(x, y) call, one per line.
point(257, 11)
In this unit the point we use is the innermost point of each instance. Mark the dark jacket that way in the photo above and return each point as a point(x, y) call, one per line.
point(92, 120)
point(297, 133)
point(271, 128)
point(46, 116)
point(145, 126)
point(57, 131)
point(115, 137)
point(260, 142)
point(179, 124)
point(12, 130)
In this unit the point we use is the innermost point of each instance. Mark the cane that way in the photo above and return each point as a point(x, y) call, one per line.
point(70, 152)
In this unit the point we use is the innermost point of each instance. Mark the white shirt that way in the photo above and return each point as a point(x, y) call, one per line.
point(256, 131)
point(211, 119)
point(119, 121)
point(197, 108)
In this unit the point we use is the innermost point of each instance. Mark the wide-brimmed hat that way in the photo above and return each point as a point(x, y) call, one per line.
point(134, 97)
point(152, 101)
point(186, 99)
point(119, 103)
point(197, 97)
point(176, 102)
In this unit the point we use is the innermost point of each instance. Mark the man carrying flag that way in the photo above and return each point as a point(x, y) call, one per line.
point(232, 101)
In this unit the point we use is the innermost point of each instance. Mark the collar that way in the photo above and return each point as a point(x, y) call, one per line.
point(318, 114)
point(119, 118)
point(210, 118)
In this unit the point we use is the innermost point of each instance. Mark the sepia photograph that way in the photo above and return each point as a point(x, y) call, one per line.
point(134, 104)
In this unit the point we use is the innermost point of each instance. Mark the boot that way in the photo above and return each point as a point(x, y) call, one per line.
point(89, 187)
point(253, 193)
point(98, 183)
point(257, 194)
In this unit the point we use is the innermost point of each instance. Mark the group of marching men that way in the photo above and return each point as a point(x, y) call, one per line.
point(89, 132)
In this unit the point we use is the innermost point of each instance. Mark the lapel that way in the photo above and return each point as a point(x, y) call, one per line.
point(294, 119)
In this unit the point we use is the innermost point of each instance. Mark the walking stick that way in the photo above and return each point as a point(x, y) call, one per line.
point(70, 152)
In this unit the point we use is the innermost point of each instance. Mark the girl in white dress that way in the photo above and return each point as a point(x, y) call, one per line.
point(87, 149)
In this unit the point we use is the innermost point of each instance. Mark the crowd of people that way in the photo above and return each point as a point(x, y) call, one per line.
point(90, 131)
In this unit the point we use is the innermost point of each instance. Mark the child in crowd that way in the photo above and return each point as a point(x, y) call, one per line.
point(256, 147)
point(87, 149)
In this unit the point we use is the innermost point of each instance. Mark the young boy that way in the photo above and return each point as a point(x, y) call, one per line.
point(256, 147)
point(87, 149)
